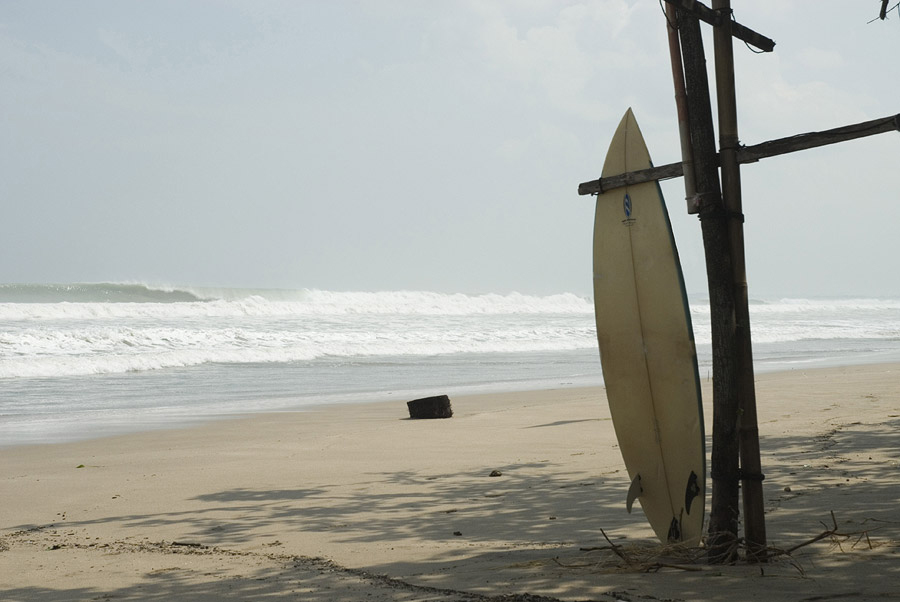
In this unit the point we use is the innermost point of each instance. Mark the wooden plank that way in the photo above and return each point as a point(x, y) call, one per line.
point(781, 146)
point(715, 18)
point(751, 154)
point(664, 172)
point(745, 34)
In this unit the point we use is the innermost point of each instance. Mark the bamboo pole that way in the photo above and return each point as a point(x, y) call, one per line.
point(684, 126)
point(724, 508)
point(748, 432)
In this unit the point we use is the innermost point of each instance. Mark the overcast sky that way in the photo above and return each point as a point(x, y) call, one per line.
point(412, 144)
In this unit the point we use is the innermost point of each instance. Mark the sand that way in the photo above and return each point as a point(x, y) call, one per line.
point(358, 502)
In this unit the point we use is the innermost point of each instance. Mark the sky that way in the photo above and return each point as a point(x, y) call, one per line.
point(417, 145)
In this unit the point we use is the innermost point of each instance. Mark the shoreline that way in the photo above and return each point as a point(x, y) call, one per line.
point(242, 507)
point(148, 419)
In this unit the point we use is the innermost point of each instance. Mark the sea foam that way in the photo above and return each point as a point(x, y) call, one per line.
point(45, 333)
point(65, 338)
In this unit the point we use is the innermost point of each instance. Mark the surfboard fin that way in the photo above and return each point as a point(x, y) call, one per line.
point(691, 491)
point(634, 492)
point(674, 531)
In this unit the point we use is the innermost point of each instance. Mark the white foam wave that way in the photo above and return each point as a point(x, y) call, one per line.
point(788, 320)
point(72, 338)
point(105, 347)
point(801, 305)
point(318, 303)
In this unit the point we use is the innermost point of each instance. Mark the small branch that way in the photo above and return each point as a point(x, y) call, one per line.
point(615, 548)
point(665, 565)
point(819, 537)
point(575, 566)
point(188, 544)
point(834, 533)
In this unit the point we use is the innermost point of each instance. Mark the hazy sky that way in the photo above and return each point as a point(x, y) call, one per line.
point(413, 144)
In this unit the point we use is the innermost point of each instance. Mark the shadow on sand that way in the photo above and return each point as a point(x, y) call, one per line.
point(525, 532)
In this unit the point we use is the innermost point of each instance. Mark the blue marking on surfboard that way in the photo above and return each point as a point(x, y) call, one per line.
point(628, 207)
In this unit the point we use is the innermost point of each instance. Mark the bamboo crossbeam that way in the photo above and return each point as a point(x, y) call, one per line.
point(653, 174)
point(708, 15)
point(781, 146)
point(750, 154)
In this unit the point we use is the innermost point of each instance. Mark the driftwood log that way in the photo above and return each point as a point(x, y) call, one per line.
point(430, 407)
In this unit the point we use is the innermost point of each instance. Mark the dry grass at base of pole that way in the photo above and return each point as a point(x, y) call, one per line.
point(640, 558)
point(649, 558)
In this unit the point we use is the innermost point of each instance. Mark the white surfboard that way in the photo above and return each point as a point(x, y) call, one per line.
point(647, 347)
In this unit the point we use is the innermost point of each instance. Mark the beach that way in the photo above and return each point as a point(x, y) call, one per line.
point(358, 502)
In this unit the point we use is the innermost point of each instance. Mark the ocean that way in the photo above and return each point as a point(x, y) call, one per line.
point(88, 360)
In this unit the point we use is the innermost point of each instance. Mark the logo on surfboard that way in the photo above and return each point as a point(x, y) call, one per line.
point(628, 208)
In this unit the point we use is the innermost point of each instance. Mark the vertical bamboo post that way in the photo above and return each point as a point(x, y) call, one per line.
point(681, 105)
point(751, 470)
point(724, 509)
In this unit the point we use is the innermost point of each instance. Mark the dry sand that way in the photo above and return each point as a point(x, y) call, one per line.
point(360, 503)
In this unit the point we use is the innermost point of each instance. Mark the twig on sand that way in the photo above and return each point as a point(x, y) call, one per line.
point(188, 544)
point(614, 547)
point(834, 533)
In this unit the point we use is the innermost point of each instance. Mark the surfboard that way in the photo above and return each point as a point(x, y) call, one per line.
point(647, 349)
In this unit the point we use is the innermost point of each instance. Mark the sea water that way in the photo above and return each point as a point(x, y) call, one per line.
point(85, 360)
